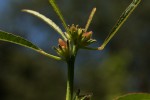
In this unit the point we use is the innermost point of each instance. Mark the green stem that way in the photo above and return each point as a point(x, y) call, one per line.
point(70, 80)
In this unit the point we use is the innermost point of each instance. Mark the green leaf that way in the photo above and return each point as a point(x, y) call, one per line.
point(4, 36)
point(120, 22)
point(58, 12)
point(8, 37)
point(47, 20)
point(90, 19)
point(134, 96)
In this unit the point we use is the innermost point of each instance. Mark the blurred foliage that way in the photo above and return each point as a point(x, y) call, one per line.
point(132, 96)
point(121, 68)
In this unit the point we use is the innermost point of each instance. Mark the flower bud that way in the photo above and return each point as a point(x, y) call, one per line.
point(62, 43)
point(87, 34)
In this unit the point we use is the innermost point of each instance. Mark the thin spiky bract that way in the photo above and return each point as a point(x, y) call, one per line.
point(58, 12)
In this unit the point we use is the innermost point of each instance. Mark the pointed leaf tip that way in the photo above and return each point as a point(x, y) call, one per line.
point(128, 11)
point(90, 19)
point(47, 20)
point(58, 12)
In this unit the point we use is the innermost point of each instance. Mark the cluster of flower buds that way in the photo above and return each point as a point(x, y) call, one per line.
point(63, 48)
point(75, 37)
point(79, 37)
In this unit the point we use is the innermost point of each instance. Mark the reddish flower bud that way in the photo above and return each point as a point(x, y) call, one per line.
point(62, 43)
point(87, 34)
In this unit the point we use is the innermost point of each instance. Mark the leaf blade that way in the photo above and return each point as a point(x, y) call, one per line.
point(58, 12)
point(9, 37)
point(90, 19)
point(120, 22)
point(47, 20)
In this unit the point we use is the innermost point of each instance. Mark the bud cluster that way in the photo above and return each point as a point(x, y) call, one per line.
point(63, 49)
point(75, 37)
point(79, 37)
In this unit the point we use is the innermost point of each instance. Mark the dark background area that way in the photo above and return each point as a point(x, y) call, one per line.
point(123, 67)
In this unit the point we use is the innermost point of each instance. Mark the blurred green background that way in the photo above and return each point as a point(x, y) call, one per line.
point(123, 67)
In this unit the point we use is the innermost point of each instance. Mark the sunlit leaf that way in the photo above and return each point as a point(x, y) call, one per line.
point(8, 37)
point(47, 20)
